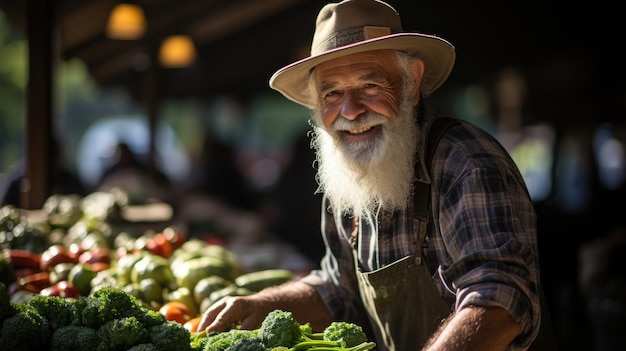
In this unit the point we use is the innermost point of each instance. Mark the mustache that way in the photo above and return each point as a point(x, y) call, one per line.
point(364, 120)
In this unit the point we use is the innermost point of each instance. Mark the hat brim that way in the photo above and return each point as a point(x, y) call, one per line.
point(438, 55)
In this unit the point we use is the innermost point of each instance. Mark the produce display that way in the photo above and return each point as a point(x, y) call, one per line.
point(78, 279)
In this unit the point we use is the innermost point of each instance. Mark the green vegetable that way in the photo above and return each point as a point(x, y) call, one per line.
point(280, 328)
point(104, 305)
point(251, 344)
point(107, 320)
point(26, 330)
point(222, 341)
point(7, 275)
point(280, 331)
point(55, 309)
point(143, 347)
point(170, 336)
point(63, 211)
point(122, 333)
point(148, 317)
point(74, 338)
point(6, 308)
point(198, 340)
point(257, 281)
point(347, 334)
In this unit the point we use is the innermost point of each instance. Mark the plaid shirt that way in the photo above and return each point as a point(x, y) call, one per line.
point(481, 238)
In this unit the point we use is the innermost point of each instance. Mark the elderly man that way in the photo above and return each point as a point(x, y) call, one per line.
point(462, 272)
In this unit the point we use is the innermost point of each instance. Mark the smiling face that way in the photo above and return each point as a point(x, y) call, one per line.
point(365, 134)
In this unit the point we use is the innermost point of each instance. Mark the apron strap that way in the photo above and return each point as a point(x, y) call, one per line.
point(421, 189)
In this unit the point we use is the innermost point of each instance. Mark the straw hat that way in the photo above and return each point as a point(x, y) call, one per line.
point(353, 26)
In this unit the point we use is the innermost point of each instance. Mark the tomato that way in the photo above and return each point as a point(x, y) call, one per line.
point(159, 245)
point(192, 324)
point(176, 311)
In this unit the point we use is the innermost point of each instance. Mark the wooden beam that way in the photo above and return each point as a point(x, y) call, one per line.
point(37, 183)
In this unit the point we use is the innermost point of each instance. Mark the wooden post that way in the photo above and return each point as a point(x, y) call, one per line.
point(37, 183)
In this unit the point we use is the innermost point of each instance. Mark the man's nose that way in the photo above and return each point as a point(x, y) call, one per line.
point(352, 105)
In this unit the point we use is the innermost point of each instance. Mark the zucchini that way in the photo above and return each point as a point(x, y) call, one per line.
point(259, 280)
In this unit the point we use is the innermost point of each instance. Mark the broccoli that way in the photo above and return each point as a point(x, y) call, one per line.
point(103, 305)
point(222, 341)
point(198, 340)
point(347, 334)
point(74, 338)
point(26, 330)
point(337, 336)
point(170, 336)
point(120, 334)
point(247, 344)
point(6, 307)
point(280, 328)
point(53, 308)
point(148, 317)
point(280, 331)
point(143, 347)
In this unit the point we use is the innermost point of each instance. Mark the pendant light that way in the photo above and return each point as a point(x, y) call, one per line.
point(126, 22)
point(177, 51)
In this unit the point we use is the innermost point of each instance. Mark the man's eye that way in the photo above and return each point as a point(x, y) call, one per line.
point(331, 94)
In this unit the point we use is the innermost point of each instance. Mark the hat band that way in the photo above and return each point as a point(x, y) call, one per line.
point(350, 36)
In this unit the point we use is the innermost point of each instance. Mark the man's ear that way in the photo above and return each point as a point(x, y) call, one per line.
point(417, 66)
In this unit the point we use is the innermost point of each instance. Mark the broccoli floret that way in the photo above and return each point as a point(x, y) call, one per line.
point(120, 334)
point(280, 328)
point(198, 340)
point(170, 336)
point(6, 307)
point(248, 344)
point(222, 341)
point(103, 305)
point(54, 308)
point(143, 347)
point(74, 338)
point(347, 334)
point(280, 331)
point(26, 330)
point(148, 317)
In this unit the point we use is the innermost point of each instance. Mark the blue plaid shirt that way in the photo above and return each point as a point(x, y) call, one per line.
point(481, 238)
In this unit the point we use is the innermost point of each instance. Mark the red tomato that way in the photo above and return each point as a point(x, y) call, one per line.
point(176, 311)
point(159, 245)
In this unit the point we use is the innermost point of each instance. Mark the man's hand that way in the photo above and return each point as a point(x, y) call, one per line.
point(248, 312)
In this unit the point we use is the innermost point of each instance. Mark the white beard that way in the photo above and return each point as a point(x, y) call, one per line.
point(359, 177)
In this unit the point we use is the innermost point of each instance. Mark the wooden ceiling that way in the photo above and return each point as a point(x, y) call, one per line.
point(242, 42)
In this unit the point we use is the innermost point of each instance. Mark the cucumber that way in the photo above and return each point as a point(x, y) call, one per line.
point(259, 280)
